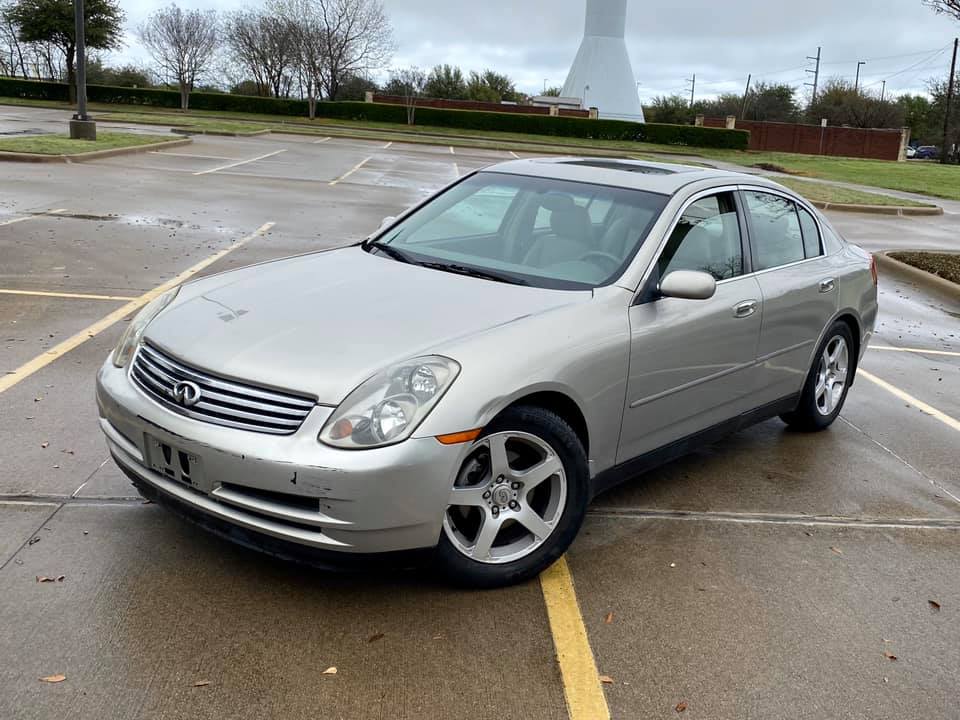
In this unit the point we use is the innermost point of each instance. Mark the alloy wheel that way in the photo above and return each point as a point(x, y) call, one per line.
point(831, 376)
point(508, 498)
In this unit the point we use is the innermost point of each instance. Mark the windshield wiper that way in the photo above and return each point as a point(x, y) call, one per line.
point(389, 251)
point(473, 272)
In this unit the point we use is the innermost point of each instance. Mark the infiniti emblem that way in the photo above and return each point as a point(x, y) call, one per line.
point(186, 393)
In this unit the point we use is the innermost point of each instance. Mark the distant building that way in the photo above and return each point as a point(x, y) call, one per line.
point(601, 75)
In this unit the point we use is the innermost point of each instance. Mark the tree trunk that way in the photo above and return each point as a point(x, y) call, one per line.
point(184, 96)
point(71, 73)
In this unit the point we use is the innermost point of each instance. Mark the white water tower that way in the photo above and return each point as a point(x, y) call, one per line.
point(601, 74)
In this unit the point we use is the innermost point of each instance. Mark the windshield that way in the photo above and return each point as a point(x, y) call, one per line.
point(527, 230)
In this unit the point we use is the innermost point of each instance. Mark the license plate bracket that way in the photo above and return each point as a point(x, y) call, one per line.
point(176, 464)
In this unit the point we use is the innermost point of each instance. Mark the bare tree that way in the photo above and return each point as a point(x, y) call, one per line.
point(354, 38)
point(183, 44)
point(945, 7)
point(264, 44)
point(409, 82)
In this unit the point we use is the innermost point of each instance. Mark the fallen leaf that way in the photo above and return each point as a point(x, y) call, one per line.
point(34, 541)
point(934, 604)
point(53, 678)
point(673, 564)
point(45, 445)
point(439, 637)
point(332, 670)
point(837, 550)
point(606, 680)
point(48, 579)
point(201, 683)
point(609, 618)
point(681, 706)
point(375, 637)
point(889, 655)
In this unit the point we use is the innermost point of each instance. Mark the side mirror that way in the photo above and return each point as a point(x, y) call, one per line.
point(688, 285)
point(388, 220)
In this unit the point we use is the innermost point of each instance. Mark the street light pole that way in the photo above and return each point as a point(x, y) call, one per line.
point(856, 83)
point(81, 126)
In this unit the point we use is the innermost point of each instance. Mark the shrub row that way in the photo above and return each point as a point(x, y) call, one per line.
point(461, 119)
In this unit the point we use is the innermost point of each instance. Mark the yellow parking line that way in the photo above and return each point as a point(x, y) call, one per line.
point(920, 351)
point(75, 296)
point(578, 670)
point(351, 171)
point(41, 361)
point(240, 162)
point(32, 217)
point(906, 397)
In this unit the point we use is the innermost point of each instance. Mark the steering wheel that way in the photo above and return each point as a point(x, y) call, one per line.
point(613, 260)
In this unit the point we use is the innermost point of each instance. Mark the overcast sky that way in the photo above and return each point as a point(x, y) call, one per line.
point(668, 40)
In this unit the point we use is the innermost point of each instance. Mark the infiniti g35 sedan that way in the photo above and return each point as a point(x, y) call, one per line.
point(470, 376)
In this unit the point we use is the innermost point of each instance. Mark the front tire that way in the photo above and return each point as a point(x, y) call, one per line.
point(827, 384)
point(518, 501)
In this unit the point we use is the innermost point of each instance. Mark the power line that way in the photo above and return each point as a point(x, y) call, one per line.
point(885, 57)
point(924, 62)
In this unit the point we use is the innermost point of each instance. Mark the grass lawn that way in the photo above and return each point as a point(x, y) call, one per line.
point(946, 265)
point(63, 145)
point(821, 192)
point(915, 176)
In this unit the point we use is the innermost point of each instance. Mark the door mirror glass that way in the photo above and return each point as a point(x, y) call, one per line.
point(688, 285)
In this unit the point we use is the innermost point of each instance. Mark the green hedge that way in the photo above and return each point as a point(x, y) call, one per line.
point(657, 133)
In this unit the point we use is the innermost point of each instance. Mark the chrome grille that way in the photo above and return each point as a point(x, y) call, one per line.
point(222, 401)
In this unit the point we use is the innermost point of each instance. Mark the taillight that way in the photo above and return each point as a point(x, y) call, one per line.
point(873, 269)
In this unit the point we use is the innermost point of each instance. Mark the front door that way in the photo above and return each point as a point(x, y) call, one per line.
point(692, 362)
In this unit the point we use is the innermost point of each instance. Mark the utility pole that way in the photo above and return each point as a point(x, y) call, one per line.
point(883, 91)
point(81, 126)
point(816, 76)
point(946, 119)
point(746, 94)
point(693, 87)
point(856, 83)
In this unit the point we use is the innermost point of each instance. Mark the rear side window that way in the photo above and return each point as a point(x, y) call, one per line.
point(707, 238)
point(811, 235)
point(777, 238)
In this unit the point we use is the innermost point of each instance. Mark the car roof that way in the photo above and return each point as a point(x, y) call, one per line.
point(663, 178)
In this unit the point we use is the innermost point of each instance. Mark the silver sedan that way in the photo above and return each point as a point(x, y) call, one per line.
point(469, 377)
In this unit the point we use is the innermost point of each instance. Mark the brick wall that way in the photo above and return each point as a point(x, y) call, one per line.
point(475, 105)
point(876, 144)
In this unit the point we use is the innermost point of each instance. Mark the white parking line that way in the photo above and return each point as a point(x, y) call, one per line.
point(451, 150)
point(351, 171)
point(514, 154)
point(321, 140)
point(387, 146)
point(919, 351)
point(32, 217)
point(456, 170)
point(240, 162)
point(908, 398)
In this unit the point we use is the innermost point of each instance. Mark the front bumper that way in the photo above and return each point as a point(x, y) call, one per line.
point(290, 487)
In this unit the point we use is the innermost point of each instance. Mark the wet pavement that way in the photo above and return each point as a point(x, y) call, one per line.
point(766, 576)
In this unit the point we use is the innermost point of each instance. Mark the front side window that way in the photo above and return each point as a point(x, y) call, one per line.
point(776, 235)
point(527, 230)
point(706, 238)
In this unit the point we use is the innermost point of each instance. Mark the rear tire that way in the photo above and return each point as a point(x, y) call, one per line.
point(527, 470)
point(828, 382)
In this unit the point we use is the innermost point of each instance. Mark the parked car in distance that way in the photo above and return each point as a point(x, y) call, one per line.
point(911, 152)
point(469, 377)
point(927, 152)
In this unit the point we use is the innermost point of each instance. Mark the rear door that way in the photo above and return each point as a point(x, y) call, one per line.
point(692, 361)
point(799, 286)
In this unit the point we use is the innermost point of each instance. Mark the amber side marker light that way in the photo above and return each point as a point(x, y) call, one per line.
point(459, 437)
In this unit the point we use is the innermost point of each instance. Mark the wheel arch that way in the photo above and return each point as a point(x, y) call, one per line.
point(563, 405)
point(851, 321)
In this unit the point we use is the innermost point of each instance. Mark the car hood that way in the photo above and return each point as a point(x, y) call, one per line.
point(323, 323)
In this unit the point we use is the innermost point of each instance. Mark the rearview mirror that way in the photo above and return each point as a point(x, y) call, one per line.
point(688, 285)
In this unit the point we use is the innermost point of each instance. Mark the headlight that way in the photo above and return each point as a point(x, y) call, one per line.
point(388, 407)
point(131, 336)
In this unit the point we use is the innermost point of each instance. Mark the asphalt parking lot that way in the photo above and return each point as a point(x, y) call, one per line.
point(774, 575)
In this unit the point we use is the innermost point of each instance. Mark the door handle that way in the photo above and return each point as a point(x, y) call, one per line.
point(827, 285)
point(745, 309)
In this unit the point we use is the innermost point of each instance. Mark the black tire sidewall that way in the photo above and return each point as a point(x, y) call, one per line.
point(553, 430)
point(807, 416)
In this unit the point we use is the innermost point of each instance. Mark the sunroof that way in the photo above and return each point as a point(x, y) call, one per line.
point(621, 166)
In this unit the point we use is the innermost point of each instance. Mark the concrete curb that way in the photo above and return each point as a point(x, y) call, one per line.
point(880, 209)
point(94, 155)
point(188, 131)
point(921, 277)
